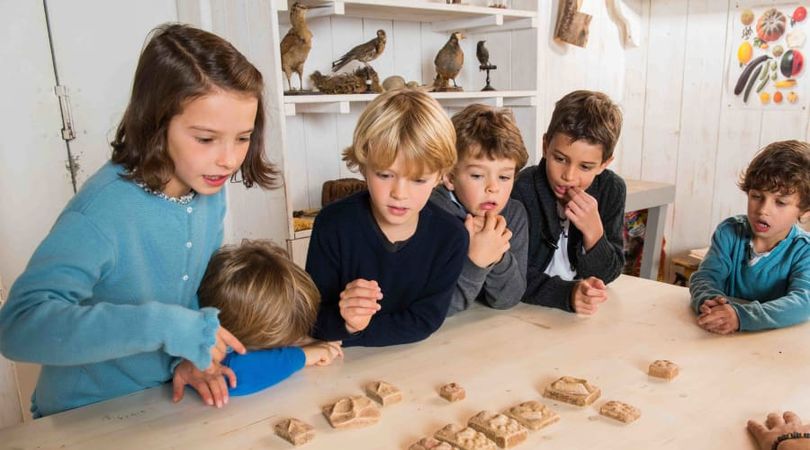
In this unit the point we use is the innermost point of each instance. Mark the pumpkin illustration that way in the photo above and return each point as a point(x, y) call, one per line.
point(771, 25)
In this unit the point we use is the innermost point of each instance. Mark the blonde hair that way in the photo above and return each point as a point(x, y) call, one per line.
point(407, 123)
point(264, 299)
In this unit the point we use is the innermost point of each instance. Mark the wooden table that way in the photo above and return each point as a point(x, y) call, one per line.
point(501, 358)
point(655, 198)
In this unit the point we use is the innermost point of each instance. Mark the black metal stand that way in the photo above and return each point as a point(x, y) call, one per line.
point(488, 67)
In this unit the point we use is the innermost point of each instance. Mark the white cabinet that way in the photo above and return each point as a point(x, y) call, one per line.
point(316, 128)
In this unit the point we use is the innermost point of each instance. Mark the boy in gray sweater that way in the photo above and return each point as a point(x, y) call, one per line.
point(490, 154)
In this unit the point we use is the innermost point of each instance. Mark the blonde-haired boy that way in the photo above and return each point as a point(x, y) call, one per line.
point(385, 260)
point(270, 305)
point(490, 154)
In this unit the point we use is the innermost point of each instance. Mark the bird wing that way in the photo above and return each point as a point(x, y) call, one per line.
point(357, 52)
point(290, 41)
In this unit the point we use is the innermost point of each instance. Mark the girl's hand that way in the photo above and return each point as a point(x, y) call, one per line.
point(220, 348)
point(210, 384)
point(322, 353)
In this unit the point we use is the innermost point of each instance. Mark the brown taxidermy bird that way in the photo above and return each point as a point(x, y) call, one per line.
point(296, 44)
point(449, 61)
point(348, 83)
point(364, 53)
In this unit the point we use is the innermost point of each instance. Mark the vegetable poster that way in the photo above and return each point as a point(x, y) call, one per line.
point(767, 62)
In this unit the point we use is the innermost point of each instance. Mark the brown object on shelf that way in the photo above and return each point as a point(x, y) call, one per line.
point(449, 62)
point(363, 80)
point(383, 393)
point(452, 392)
point(533, 415)
point(620, 411)
point(663, 368)
point(295, 431)
point(572, 25)
point(575, 391)
point(334, 190)
point(352, 412)
point(465, 438)
point(303, 223)
point(430, 443)
point(365, 52)
point(296, 45)
point(505, 431)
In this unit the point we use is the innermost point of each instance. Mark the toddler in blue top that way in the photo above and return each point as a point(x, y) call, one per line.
point(756, 274)
point(107, 304)
point(270, 305)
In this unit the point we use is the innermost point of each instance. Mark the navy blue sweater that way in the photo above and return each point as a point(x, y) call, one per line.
point(417, 279)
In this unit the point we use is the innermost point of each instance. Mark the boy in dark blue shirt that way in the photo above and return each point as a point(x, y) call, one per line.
point(386, 261)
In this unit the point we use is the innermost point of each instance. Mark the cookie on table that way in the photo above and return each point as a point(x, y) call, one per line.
point(533, 415)
point(452, 392)
point(294, 431)
point(620, 411)
point(383, 393)
point(430, 443)
point(465, 438)
point(352, 412)
point(575, 391)
point(663, 368)
point(505, 431)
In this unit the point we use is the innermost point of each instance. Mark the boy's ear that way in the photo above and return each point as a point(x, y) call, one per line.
point(804, 218)
point(545, 144)
point(604, 165)
point(447, 181)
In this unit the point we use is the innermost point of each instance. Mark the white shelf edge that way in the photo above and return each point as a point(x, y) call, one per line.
point(446, 17)
point(302, 234)
point(330, 104)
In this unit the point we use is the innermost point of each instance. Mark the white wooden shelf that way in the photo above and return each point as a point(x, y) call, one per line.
point(330, 104)
point(443, 17)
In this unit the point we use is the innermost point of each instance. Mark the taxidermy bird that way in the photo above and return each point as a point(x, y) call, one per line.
point(296, 44)
point(449, 61)
point(364, 53)
point(482, 53)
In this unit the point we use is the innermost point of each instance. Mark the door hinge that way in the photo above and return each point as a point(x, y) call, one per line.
point(63, 94)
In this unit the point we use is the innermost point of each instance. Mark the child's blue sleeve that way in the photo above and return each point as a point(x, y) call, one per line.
point(53, 318)
point(260, 369)
point(790, 309)
point(710, 278)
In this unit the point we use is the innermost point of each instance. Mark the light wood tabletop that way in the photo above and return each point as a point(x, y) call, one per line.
point(501, 358)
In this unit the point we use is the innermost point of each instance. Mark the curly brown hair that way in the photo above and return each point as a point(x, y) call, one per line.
point(484, 131)
point(178, 64)
point(264, 299)
point(589, 116)
point(782, 167)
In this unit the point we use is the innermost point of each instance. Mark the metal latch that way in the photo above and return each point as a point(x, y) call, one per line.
point(67, 116)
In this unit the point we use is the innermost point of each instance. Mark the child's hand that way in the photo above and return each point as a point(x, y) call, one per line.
point(718, 316)
point(209, 384)
point(358, 302)
point(587, 295)
point(583, 211)
point(490, 242)
point(322, 353)
point(775, 426)
point(220, 348)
